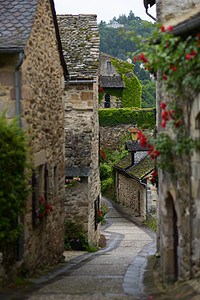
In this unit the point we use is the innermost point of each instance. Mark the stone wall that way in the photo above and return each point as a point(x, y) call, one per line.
point(131, 193)
point(42, 111)
point(110, 136)
point(179, 215)
point(171, 12)
point(82, 154)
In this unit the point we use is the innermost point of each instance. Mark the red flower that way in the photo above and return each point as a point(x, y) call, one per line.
point(163, 105)
point(164, 77)
point(178, 123)
point(163, 124)
point(135, 58)
point(188, 56)
point(149, 152)
point(142, 56)
point(163, 29)
point(157, 153)
point(167, 45)
point(152, 156)
point(152, 147)
point(139, 135)
point(170, 28)
point(41, 215)
point(174, 69)
point(46, 211)
point(194, 53)
point(164, 115)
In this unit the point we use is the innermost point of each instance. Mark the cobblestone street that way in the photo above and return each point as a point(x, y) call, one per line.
point(116, 272)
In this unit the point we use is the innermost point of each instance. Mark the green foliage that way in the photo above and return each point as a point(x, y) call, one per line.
point(144, 118)
point(148, 94)
point(123, 67)
point(14, 177)
point(151, 222)
point(105, 171)
point(74, 233)
point(177, 60)
point(107, 184)
point(102, 241)
point(114, 43)
point(131, 95)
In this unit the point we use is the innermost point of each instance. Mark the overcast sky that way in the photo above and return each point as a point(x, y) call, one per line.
point(104, 9)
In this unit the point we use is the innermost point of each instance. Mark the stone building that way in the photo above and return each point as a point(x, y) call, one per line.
point(32, 71)
point(179, 202)
point(80, 42)
point(111, 81)
point(131, 179)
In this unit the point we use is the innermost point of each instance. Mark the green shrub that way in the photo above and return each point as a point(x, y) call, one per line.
point(14, 177)
point(144, 118)
point(107, 184)
point(105, 171)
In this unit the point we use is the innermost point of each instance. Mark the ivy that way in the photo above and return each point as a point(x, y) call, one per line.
point(178, 66)
point(13, 177)
point(144, 118)
point(131, 95)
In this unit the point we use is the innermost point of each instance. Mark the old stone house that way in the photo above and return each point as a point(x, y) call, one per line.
point(32, 71)
point(111, 81)
point(131, 173)
point(80, 42)
point(179, 214)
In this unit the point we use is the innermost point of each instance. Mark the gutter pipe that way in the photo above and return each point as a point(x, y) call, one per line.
point(80, 81)
point(145, 185)
point(18, 112)
point(17, 87)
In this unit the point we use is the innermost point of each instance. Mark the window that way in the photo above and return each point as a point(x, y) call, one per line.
point(55, 179)
point(40, 187)
point(107, 101)
point(108, 67)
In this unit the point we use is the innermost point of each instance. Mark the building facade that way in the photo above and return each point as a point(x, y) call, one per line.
point(32, 71)
point(179, 201)
point(80, 42)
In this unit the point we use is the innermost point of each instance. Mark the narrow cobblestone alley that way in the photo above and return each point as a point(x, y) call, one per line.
point(115, 272)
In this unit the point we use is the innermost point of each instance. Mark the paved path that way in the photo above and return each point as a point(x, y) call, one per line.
point(115, 272)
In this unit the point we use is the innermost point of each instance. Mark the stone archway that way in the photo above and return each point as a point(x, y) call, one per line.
point(169, 241)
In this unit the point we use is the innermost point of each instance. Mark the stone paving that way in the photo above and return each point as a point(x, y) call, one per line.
point(118, 271)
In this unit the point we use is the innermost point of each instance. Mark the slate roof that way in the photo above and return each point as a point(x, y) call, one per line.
point(111, 81)
point(16, 21)
point(135, 146)
point(80, 43)
point(125, 162)
point(142, 167)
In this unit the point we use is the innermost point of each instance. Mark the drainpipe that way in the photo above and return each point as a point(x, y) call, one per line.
point(17, 87)
point(145, 185)
point(18, 112)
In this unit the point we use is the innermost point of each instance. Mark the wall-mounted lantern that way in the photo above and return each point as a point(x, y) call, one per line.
point(134, 132)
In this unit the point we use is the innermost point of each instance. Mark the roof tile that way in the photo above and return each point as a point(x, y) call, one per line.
point(80, 42)
point(16, 21)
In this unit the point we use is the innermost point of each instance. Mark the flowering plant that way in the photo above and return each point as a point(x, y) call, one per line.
point(100, 216)
point(101, 93)
point(178, 65)
point(45, 208)
point(72, 182)
point(102, 155)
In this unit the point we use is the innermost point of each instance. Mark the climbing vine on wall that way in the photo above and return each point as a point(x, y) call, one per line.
point(177, 62)
point(132, 93)
point(14, 177)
